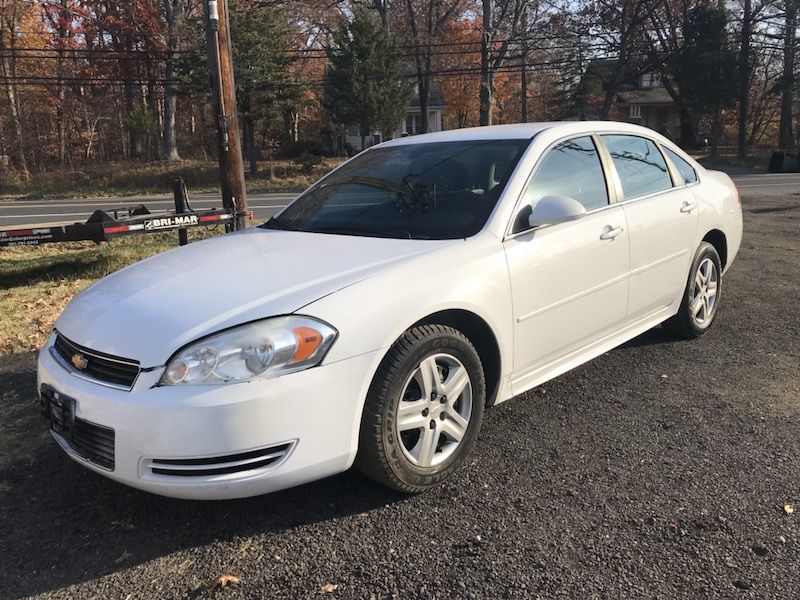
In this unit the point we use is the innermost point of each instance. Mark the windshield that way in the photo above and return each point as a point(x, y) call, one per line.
point(443, 190)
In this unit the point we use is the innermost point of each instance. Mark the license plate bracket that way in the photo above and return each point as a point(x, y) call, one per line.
point(59, 411)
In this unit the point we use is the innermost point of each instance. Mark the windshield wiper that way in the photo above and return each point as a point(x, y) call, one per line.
point(360, 231)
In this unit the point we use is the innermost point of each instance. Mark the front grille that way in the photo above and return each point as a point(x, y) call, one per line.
point(121, 372)
point(221, 465)
point(90, 441)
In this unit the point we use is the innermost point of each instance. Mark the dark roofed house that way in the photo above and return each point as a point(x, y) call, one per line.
point(436, 106)
point(640, 99)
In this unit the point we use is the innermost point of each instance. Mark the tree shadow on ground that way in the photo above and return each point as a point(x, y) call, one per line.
point(63, 524)
point(83, 265)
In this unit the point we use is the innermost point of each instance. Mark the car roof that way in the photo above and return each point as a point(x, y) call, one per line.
point(518, 131)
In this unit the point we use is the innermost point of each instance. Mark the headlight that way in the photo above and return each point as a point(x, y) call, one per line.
point(258, 350)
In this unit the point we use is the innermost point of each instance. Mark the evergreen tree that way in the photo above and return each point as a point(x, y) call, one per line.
point(705, 68)
point(364, 82)
point(265, 88)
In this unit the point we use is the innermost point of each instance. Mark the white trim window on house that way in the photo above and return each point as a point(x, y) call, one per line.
point(635, 111)
point(651, 80)
point(410, 125)
point(413, 123)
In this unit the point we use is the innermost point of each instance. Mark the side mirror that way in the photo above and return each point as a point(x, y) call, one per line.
point(552, 210)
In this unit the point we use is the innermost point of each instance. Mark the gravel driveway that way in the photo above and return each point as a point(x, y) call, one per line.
point(661, 469)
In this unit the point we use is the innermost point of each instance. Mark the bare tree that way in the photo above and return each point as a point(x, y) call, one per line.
point(8, 20)
point(62, 33)
point(787, 83)
point(764, 111)
point(621, 35)
point(666, 21)
point(382, 7)
point(500, 31)
point(751, 17)
point(744, 75)
point(425, 20)
point(172, 12)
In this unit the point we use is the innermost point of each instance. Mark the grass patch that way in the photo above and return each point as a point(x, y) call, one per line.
point(36, 283)
point(134, 178)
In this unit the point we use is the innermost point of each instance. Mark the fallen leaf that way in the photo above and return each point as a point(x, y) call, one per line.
point(125, 523)
point(224, 581)
point(328, 588)
point(788, 509)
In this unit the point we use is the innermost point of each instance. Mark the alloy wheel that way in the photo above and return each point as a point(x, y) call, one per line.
point(704, 295)
point(434, 410)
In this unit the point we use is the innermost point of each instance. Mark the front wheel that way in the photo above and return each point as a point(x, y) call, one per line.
point(423, 411)
point(701, 295)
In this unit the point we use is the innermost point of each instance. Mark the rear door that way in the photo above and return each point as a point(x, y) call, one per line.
point(662, 217)
point(569, 282)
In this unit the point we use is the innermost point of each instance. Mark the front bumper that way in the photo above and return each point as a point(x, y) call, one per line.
point(312, 416)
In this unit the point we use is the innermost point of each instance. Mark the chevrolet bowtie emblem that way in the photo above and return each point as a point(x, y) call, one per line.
point(79, 361)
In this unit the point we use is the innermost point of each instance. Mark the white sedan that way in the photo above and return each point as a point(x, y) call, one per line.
point(373, 319)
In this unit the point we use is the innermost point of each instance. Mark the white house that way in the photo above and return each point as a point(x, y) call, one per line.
point(411, 123)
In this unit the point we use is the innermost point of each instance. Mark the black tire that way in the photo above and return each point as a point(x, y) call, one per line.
point(382, 455)
point(684, 324)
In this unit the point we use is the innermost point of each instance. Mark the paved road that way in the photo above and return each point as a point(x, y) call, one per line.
point(264, 205)
point(25, 212)
point(658, 470)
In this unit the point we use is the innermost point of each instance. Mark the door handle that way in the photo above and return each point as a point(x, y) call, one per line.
point(688, 207)
point(610, 233)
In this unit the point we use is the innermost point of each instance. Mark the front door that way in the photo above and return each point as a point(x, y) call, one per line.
point(569, 282)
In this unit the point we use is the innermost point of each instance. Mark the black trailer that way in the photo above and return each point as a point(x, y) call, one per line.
point(101, 226)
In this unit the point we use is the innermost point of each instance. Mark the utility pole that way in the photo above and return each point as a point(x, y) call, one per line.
point(220, 63)
point(524, 82)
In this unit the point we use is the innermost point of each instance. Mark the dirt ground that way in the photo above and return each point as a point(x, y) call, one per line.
point(661, 469)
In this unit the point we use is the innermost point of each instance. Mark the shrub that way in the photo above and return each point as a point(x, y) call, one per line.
point(308, 161)
point(299, 148)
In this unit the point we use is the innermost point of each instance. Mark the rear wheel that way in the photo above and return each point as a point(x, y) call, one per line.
point(423, 410)
point(701, 296)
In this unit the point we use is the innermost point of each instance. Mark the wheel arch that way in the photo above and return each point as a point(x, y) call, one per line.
point(480, 333)
point(717, 238)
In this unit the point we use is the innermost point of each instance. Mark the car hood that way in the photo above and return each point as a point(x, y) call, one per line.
point(150, 309)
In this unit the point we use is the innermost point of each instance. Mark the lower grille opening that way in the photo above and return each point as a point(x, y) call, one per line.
point(221, 465)
point(88, 440)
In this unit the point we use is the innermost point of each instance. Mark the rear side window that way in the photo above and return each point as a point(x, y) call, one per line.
point(641, 167)
point(573, 169)
point(684, 168)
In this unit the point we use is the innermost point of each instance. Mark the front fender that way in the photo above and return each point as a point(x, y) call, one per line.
point(470, 275)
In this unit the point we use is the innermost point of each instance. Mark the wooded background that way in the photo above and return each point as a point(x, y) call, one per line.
point(99, 80)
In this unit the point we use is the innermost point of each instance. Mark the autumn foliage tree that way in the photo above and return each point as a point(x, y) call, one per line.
point(461, 87)
point(93, 81)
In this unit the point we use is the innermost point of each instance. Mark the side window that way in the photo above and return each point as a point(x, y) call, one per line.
point(573, 169)
point(641, 167)
point(684, 168)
